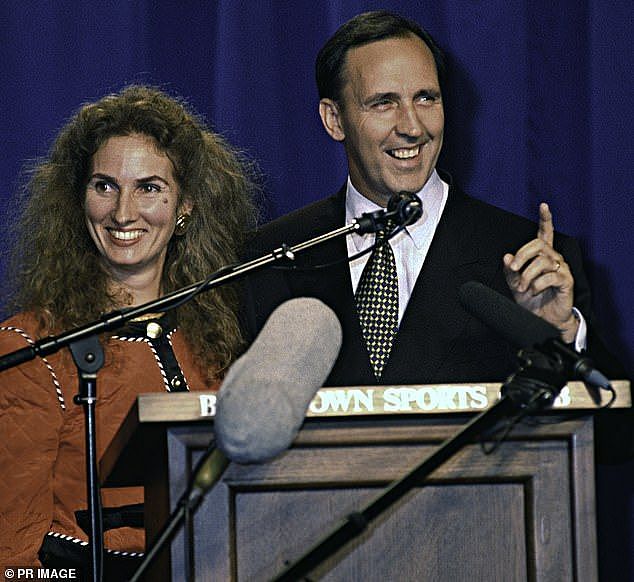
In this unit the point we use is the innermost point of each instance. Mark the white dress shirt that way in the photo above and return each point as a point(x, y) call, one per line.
point(410, 246)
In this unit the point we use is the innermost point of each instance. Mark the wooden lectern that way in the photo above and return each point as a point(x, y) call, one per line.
point(524, 512)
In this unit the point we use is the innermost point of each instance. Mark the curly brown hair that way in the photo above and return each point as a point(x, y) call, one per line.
point(58, 274)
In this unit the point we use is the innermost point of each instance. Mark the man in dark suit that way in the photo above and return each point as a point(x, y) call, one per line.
point(380, 83)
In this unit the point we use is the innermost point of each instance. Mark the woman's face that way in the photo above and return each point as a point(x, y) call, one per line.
point(131, 206)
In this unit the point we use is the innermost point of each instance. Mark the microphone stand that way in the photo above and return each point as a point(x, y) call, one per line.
point(89, 358)
point(208, 470)
point(403, 214)
point(88, 355)
point(532, 388)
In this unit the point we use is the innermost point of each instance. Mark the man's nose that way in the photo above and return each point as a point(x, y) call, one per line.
point(408, 122)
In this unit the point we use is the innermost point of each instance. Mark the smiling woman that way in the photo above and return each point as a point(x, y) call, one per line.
point(132, 204)
point(136, 199)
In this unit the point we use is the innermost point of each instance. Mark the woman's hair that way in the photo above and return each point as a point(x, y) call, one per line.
point(59, 274)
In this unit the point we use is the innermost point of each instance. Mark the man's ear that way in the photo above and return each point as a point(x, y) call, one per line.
point(331, 118)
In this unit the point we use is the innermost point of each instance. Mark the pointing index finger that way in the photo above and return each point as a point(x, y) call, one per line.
point(546, 230)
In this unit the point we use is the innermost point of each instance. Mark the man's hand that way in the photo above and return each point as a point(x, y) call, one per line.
point(540, 279)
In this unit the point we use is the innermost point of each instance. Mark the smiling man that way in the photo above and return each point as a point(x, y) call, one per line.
point(380, 81)
point(389, 116)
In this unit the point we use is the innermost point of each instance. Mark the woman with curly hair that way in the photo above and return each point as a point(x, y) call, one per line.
point(136, 199)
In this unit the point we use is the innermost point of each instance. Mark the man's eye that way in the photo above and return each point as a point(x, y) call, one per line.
point(427, 98)
point(381, 104)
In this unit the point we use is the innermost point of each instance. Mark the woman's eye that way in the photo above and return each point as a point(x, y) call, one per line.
point(149, 188)
point(103, 187)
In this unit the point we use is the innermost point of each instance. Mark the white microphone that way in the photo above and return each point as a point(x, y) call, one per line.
point(263, 400)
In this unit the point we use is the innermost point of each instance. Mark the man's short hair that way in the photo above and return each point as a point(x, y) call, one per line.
point(361, 30)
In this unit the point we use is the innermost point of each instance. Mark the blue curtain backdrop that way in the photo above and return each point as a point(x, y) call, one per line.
point(538, 106)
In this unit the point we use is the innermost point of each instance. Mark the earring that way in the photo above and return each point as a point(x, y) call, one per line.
point(182, 222)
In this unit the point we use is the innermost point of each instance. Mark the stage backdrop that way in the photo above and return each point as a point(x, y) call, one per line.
point(538, 103)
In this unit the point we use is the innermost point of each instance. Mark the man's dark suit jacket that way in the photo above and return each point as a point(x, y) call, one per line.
point(437, 341)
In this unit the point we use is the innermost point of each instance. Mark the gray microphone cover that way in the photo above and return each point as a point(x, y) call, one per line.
point(264, 398)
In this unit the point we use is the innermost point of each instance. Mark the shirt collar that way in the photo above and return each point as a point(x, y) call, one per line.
point(432, 195)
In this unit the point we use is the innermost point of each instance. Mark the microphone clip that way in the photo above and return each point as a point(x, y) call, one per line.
point(370, 222)
point(537, 382)
point(403, 209)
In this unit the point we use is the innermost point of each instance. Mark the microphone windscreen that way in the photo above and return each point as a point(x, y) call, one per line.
point(264, 398)
point(515, 324)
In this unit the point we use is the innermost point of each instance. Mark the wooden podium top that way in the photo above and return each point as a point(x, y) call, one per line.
point(157, 410)
point(376, 400)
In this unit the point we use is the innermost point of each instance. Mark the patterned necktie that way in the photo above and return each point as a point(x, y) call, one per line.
point(377, 303)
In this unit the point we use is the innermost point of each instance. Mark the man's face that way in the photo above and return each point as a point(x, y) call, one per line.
point(390, 116)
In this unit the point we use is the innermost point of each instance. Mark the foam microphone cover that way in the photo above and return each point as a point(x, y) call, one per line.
point(515, 324)
point(264, 398)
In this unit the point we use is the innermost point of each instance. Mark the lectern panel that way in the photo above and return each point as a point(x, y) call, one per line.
point(431, 535)
point(506, 516)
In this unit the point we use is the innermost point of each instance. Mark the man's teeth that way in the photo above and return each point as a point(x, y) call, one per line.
point(126, 234)
point(405, 153)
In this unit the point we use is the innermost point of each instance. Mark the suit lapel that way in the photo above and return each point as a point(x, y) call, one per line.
point(334, 287)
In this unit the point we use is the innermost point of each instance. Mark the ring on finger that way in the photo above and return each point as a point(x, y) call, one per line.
point(557, 265)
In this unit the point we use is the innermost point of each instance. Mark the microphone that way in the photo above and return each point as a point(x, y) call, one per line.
point(523, 329)
point(264, 397)
point(403, 208)
point(263, 400)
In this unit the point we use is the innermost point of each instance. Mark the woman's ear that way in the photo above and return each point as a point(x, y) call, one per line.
point(185, 207)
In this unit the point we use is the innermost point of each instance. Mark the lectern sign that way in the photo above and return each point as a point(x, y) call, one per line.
point(399, 399)
point(207, 404)
point(439, 398)
point(427, 399)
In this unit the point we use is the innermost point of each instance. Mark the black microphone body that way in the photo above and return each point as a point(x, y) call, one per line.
point(523, 329)
point(403, 208)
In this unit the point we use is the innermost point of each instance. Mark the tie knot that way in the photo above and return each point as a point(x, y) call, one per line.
point(383, 234)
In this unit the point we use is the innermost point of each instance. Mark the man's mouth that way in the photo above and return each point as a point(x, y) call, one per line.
point(125, 234)
point(404, 153)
